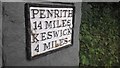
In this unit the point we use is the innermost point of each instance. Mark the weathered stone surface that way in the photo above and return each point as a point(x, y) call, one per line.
point(14, 42)
point(0, 34)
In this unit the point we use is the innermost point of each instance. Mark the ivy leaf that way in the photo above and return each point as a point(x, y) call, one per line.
point(84, 60)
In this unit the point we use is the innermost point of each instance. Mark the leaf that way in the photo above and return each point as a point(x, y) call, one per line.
point(84, 60)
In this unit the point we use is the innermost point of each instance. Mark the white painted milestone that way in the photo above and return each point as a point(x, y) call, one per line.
point(51, 28)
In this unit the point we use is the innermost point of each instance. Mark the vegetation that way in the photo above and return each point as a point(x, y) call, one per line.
point(99, 34)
